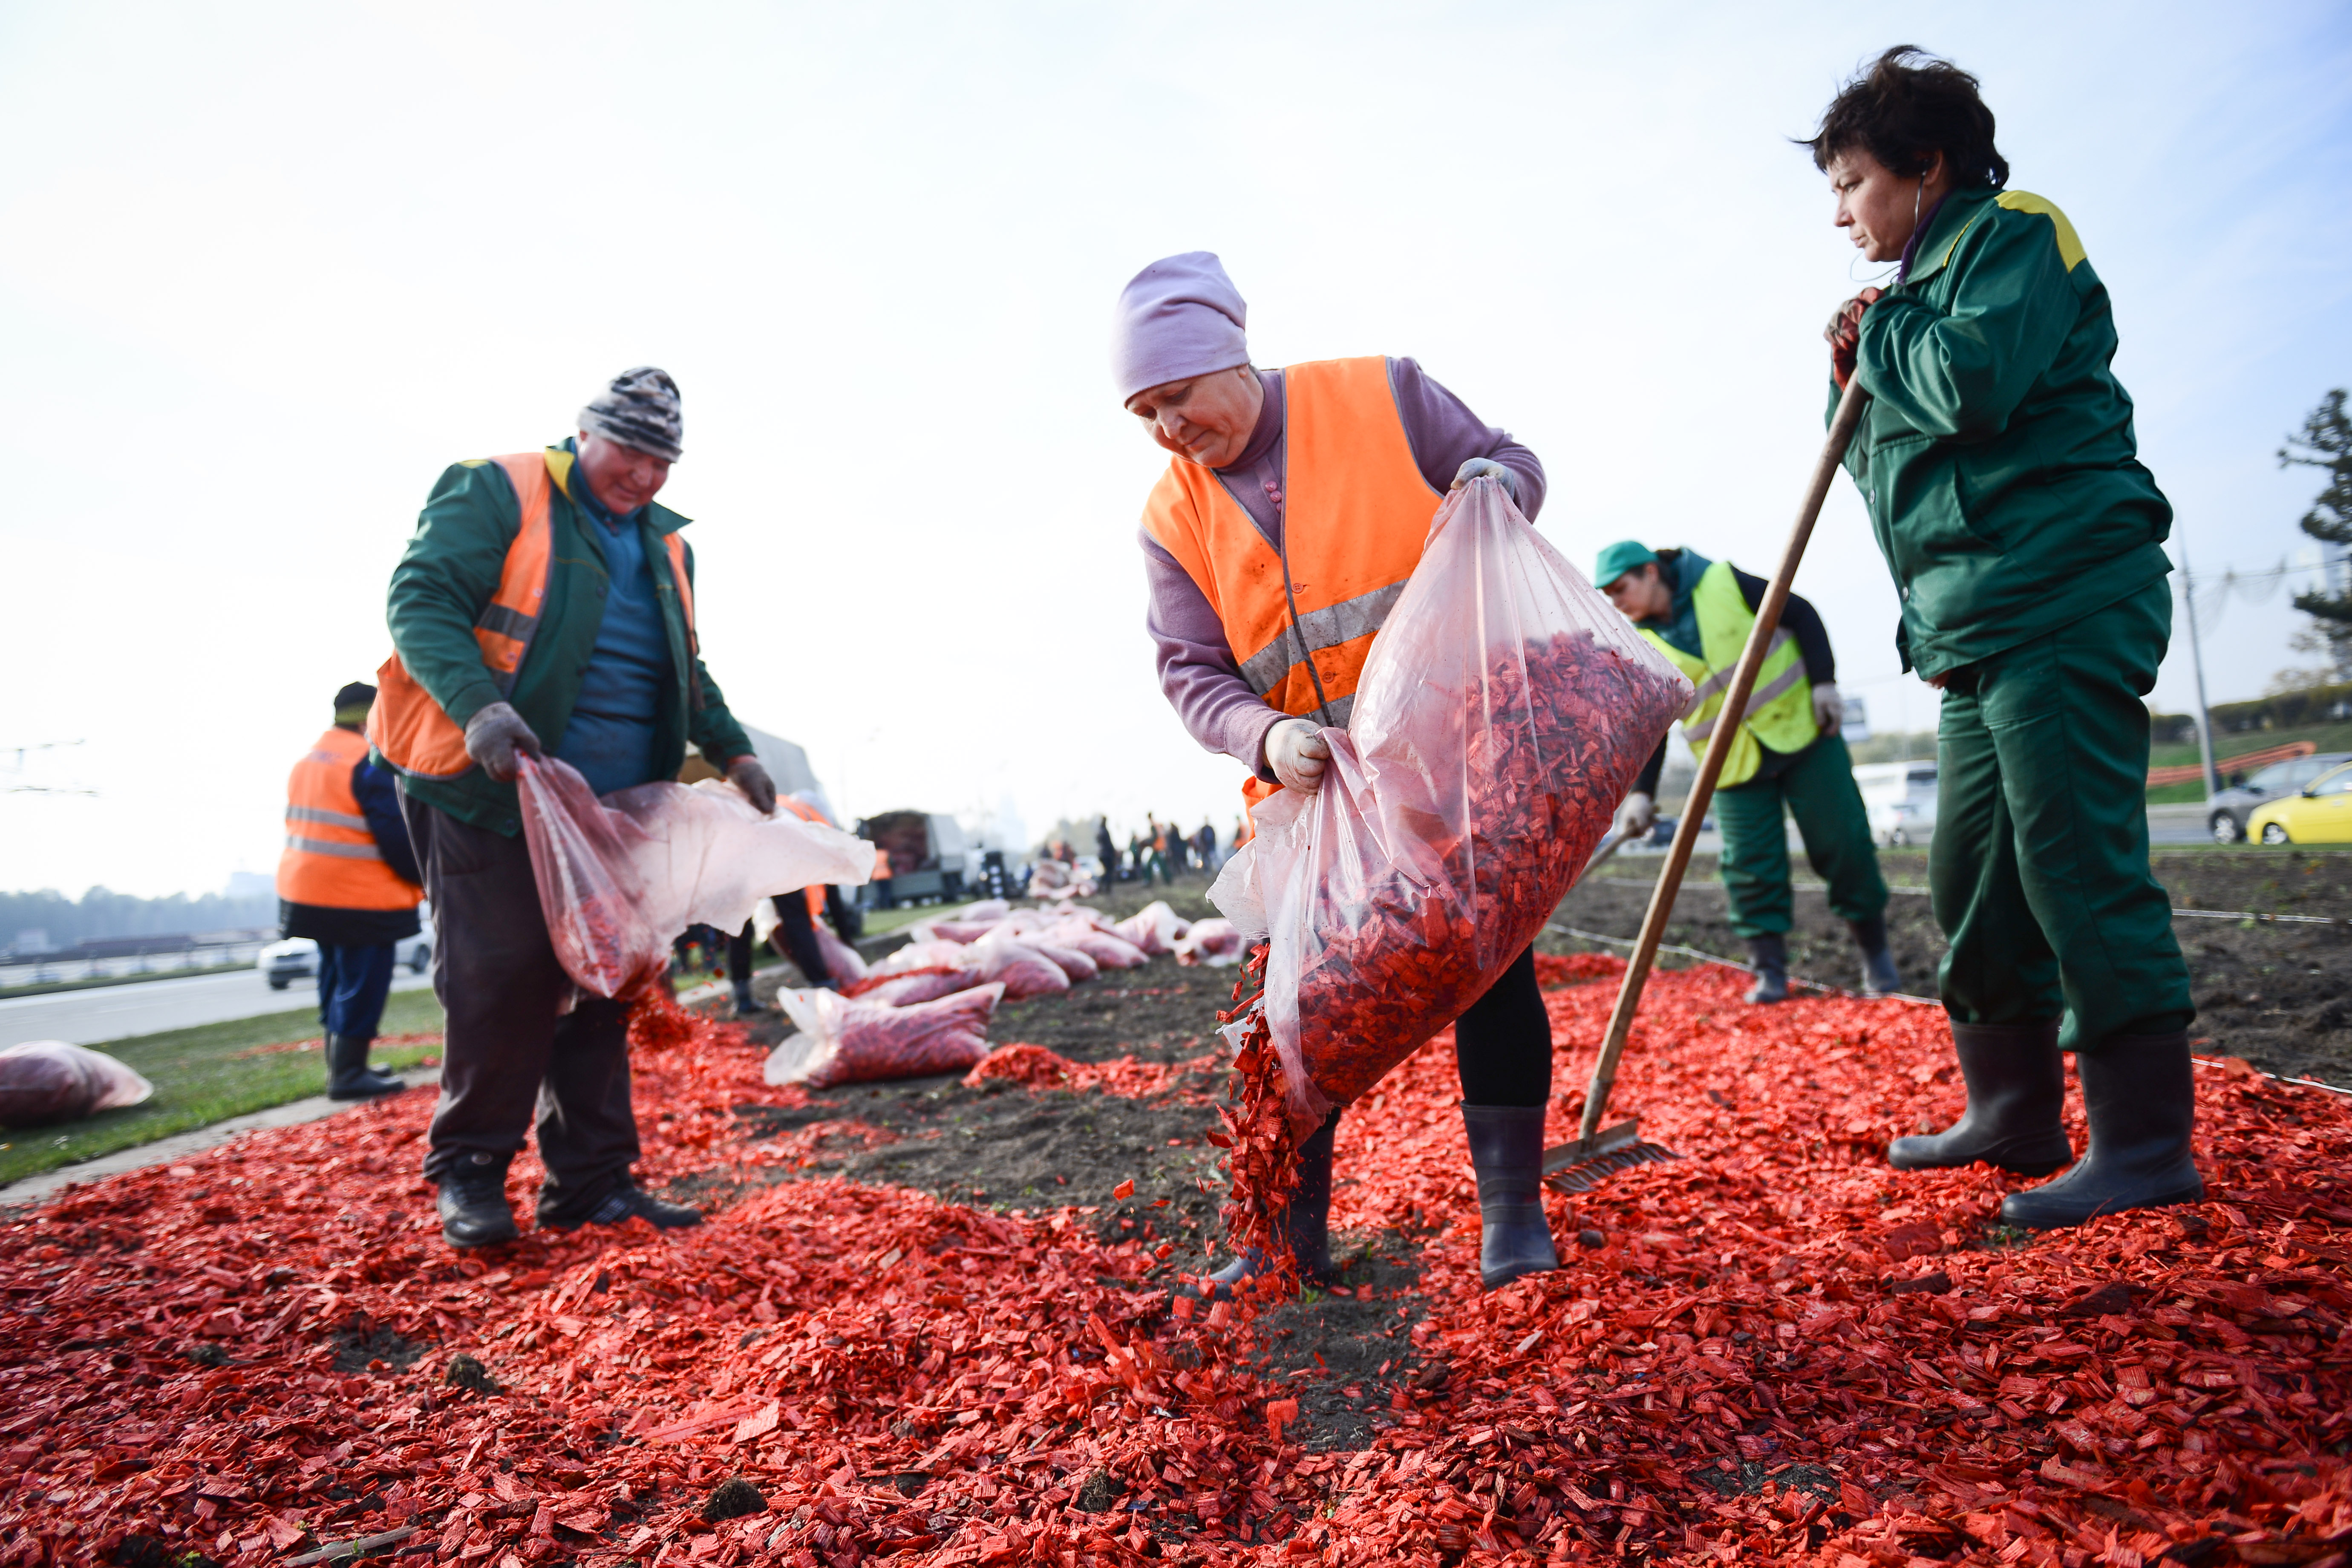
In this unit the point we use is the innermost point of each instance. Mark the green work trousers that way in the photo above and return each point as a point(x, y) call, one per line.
point(2039, 865)
point(1816, 786)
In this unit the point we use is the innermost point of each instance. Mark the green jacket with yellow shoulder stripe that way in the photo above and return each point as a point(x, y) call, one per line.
point(1997, 457)
point(450, 571)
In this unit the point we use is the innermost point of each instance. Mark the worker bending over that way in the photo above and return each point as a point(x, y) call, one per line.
point(2027, 543)
point(1788, 758)
point(348, 881)
point(545, 604)
point(1294, 508)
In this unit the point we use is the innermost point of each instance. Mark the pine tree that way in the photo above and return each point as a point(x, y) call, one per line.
point(2326, 442)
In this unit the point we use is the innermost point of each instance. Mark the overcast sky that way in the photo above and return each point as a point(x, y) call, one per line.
point(268, 270)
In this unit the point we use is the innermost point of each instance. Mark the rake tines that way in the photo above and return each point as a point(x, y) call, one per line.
point(1580, 1166)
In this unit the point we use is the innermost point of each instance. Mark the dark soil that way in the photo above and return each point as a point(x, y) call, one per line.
point(2278, 995)
point(356, 1348)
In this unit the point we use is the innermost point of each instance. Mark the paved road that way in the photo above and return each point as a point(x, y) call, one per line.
point(115, 1012)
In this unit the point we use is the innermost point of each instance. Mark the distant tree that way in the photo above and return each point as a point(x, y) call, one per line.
point(2326, 443)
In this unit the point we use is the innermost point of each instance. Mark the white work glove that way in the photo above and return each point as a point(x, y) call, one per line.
point(493, 734)
point(1829, 709)
point(1296, 752)
point(1486, 468)
point(1635, 817)
point(746, 774)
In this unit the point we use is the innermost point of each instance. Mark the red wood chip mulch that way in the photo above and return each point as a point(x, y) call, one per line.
point(1773, 1349)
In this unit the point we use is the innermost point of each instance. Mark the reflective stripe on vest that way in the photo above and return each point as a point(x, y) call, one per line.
point(331, 861)
point(406, 724)
point(1356, 511)
point(1779, 710)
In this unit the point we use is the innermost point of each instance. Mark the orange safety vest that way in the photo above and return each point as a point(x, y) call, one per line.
point(406, 724)
point(1356, 511)
point(807, 813)
point(331, 859)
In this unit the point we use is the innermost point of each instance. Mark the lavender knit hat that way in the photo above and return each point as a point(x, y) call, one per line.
point(640, 410)
point(1179, 317)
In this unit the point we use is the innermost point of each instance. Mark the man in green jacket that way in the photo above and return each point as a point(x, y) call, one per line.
point(2026, 541)
point(1788, 758)
point(612, 683)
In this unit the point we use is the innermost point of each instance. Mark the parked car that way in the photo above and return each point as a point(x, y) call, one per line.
point(297, 958)
point(1900, 800)
point(2233, 806)
point(2320, 813)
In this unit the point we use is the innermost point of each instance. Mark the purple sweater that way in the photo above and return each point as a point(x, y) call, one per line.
point(1197, 670)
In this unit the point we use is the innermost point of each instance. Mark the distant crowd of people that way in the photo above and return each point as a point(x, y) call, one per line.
point(1160, 850)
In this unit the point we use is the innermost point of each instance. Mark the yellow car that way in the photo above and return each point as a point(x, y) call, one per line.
point(2322, 814)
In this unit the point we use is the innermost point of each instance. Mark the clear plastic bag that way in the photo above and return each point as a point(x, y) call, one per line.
point(919, 955)
point(1153, 927)
point(1025, 972)
point(842, 1040)
point(619, 879)
point(1213, 943)
point(1503, 712)
point(915, 986)
point(1108, 951)
point(841, 960)
point(43, 1081)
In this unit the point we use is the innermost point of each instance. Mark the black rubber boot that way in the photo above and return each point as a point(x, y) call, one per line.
point(1507, 1151)
point(746, 1005)
point(349, 1076)
point(1878, 976)
point(474, 1210)
point(628, 1199)
point(2140, 1099)
point(1306, 1224)
point(1769, 954)
point(2017, 1087)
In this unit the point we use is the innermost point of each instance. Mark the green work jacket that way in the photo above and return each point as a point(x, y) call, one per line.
point(1997, 457)
point(448, 574)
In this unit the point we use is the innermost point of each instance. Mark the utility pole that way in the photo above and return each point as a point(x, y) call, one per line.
point(2197, 658)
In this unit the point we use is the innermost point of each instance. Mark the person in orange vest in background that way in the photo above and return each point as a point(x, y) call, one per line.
point(1292, 510)
point(348, 881)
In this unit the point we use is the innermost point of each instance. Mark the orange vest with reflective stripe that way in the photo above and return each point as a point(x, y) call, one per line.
point(1356, 512)
point(406, 724)
point(331, 859)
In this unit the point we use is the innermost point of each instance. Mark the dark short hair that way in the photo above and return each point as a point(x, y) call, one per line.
point(1903, 110)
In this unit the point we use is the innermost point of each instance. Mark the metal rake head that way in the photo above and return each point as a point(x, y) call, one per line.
point(1580, 1166)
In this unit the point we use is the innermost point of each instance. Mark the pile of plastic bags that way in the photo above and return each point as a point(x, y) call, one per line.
point(897, 1020)
point(620, 877)
point(1505, 710)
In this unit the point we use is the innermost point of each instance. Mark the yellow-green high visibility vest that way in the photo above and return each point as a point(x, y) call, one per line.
point(1780, 709)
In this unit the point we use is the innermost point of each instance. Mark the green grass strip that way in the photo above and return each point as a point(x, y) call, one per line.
point(209, 1074)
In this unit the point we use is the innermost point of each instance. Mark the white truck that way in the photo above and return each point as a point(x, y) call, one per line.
point(1900, 799)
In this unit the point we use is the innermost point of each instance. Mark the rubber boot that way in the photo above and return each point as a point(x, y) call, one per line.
point(2017, 1087)
point(1878, 976)
point(2141, 1103)
point(746, 1005)
point(473, 1209)
point(349, 1076)
point(1507, 1151)
point(1769, 954)
point(1306, 1224)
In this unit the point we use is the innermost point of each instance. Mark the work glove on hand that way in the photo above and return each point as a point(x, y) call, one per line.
point(1829, 709)
point(1296, 752)
point(1481, 468)
point(1844, 334)
point(493, 736)
point(1635, 817)
point(746, 774)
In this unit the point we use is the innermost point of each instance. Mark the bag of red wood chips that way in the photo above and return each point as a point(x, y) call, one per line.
point(620, 877)
point(904, 990)
point(846, 1041)
point(42, 1081)
point(1503, 710)
point(1025, 971)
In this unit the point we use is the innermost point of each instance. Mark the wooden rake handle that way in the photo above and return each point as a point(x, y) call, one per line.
point(1718, 747)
